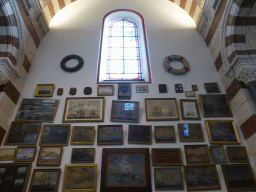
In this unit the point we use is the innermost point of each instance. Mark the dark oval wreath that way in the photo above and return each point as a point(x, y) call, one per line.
point(71, 69)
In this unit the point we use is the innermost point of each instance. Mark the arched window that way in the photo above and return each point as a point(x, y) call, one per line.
point(123, 55)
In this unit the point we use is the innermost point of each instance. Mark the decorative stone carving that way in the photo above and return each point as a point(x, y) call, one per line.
point(7, 71)
point(247, 75)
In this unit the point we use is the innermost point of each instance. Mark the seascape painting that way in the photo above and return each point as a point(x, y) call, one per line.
point(49, 156)
point(110, 134)
point(7, 154)
point(165, 134)
point(83, 155)
point(25, 154)
point(83, 135)
point(197, 154)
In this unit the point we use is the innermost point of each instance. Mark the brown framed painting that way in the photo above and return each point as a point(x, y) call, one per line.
point(237, 154)
point(44, 90)
point(50, 156)
point(218, 154)
point(105, 90)
point(197, 154)
point(7, 154)
point(161, 109)
point(45, 180)
point(215, 105)
point(83, 135)
point(190, 132)
point(83, 155)
point(222, 132)
point(212, 87)
point(165, 134)
point(140, 134)
point(189, 109)
point(110, 135)
point(84, 109)
point(25, 153)
point(166, 156)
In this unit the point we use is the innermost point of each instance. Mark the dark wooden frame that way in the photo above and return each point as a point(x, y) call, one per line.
point(213, 155)
point(195, 132)
point(119, 129)
point(88, 128)
point(73, 161)
point(160, 156)
point(235, 154)
point(132, 136)
point(194, 147)
point(208, 89)
point(183, 115)
point(171, 130)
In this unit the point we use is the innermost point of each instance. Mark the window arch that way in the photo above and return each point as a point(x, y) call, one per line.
point(123, 55)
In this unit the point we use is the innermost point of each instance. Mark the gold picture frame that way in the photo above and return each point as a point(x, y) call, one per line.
point(218, 154)
point(237, 154)
point(197, 155)
point(167, 157)
point(25, 154)
point(165, 134)
point(190, 132)
point(50, 156)
point(44, 90)
point(7, 154)
point(83, 135)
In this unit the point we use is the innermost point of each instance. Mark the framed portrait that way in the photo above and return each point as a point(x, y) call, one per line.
point(37, 110)
point(190, 132)
point(125, 111)
point(165, 134)
point(215, 105)
point(222, 132)
point(49, 156)
point(189, 109)
point(161, 109)
point(110, 135)
point(44, 90)
point(14, 176)
point(55, 134)
point(83, 135)
point(23, 133)
point(201, 177)
point(218, 154)
point(197, 154)
point(212, 87)
point(142, 89)
point(125, 169)
point(168, 179)
point(80, 178)
point(84, 109)
point(105, 90)
point(45, 180)
point(237, 154)
point(25, 153)
point(166, 157)
point(7, 154)
point(83, 155)
point(244, 181)
point(140, 134)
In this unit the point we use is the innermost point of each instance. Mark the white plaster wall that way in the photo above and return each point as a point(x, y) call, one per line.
point(169, 31)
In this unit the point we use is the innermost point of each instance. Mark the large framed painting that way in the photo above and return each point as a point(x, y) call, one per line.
point(14, 176)
point(190, 132)
point(215, 105)
point(84, 109)
point(83, 135)
point(140, 134)
point(189, 109)
point(166, 157)
point(37, 110)
point(237, 154)
point(161, 109)
point(81, 178)
point(165, 134)
point(222, 132)
point(125, 169)
point(110, 135)
point(197, 154)
point(23, 133)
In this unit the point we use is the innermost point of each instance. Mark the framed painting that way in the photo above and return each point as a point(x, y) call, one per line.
point(14, 176)
point(110, 135)
point(189, 109)
point(168, 179)
point(165, 134)
point(218, 154)
point(23, 133)
point(161, 109)
point(190, 132)
point(49, 156)
point(166, 157)
point(140, 134)
point(222, 132)
point(83, 135)
point(83, 155)
point(105, 90)
point(7, 154)
point(55, 134)
point(125, 111)
point(25, 154)
point(237, 154)
point(44, 90)
point(197, 154)
point(45, 180)
point(215, 105)
point(84, 109)
point(125, 169)
point(37, 110)
point(244, 181)
point(142, 89)
point(212, 87)
point(190, 93)
point(82, 178)
point(201, 177)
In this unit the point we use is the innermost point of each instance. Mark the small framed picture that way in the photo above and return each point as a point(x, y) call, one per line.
point(44, 90)
point(7, 154)
point(166, 157)
point(165, 134)
point(194, 88)
point(83, 155)
point(124, 91)
point(212, 87)
point(218, 154)
point(162, 88)
point(178, 88)
point(110, 135)
point(49, 156)
point(25, 154)
point(197, 154)
point(125, 111)
point(142, 89)
point(140, 134)
point(237, 154)
point(190, 132)
point(83, 135)
point(45, 180)
point(168, 179)
point(190, 93)
point(189, 109)
point(105, 90)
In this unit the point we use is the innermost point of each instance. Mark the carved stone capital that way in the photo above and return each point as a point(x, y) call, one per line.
point(247, 75)
point(7, 71)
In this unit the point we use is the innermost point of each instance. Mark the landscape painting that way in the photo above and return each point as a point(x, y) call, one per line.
point(83, 155)
point(110, 135)
point(7, 154)
point(83, 135)
point(197, 154)
point(49, 156)
point(165, 134)
point(25, 153)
